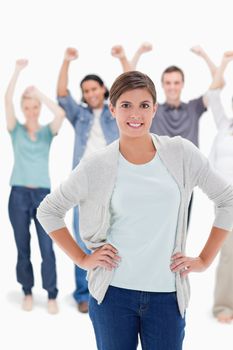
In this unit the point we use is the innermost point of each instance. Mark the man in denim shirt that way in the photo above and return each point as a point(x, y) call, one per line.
point(94, 128)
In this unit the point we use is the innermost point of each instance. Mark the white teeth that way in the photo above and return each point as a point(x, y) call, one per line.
point(135, 125)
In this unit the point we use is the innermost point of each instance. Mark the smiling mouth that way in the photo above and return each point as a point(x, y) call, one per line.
point(135, 125)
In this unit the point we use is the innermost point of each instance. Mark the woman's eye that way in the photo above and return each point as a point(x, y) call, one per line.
point(145, 105)
point(125, 105)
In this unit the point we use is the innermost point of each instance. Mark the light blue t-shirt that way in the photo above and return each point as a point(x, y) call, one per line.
point(144, 213)
point(31, 158)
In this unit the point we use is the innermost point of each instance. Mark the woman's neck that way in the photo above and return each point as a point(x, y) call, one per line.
point(137, 150)
point(32, 126)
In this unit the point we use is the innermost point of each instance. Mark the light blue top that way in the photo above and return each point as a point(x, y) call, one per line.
point(144, 212)
point(31, 158)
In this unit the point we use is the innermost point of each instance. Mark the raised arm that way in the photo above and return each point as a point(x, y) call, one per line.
point(199, 51)
point(58, 112)
point(119, 52)
point(218, 78)
point(62, 84)
point(143, 48)
point(9, 106)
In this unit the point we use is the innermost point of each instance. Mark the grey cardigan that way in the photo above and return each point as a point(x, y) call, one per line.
point(91, 184)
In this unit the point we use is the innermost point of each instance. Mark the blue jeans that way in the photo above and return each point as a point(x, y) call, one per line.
point(126, 314)
point(23, 203)
point(81, 292)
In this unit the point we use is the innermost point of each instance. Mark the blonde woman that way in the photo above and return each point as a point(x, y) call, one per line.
point(30, 183)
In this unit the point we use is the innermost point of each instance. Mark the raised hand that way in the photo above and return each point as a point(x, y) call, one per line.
point(118, 51)
point(106, 257)
point(71, 54)
point(198, 50)
point(227, 56)
point(145, 47)
point(21, 64)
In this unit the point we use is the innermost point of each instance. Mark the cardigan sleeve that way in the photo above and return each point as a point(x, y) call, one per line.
point(52, 210)
point(202, 174)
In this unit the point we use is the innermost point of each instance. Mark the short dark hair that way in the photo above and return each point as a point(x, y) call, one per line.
point(130, 81)
point(172, 69)
point(98, 80)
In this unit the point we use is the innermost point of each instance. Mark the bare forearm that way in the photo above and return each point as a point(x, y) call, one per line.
point(213, 245)
point(62, 84)
point(135, 59)
point(126, 66)
point(65, 241)
point(218, 80)
point(9, 107)
point(212, 67)
point(184, 264)
point(106, 256)
point(11, 86)
point(52, 106)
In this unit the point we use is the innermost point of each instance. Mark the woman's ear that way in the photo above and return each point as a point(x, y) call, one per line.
point(155, 109)
point(112, 109)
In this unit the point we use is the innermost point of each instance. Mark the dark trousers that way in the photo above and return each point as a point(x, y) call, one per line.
point(124, 315)
point(23, 203)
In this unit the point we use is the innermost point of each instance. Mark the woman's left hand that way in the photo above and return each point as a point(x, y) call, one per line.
point(184, 264)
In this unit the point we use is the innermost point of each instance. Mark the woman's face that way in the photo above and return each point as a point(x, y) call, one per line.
point(134, 112)
point(93, 93)
point(31, 108)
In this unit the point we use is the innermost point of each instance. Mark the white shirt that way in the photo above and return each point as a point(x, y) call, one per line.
point(96, 139)
point(144, 211)
point(221, 155)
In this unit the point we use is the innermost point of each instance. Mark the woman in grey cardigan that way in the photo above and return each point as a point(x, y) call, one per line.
point(133, 198)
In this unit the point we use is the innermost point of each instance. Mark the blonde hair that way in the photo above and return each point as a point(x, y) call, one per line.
point(25, 96)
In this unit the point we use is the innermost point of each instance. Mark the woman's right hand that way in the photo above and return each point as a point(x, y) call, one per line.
point(71, 54)
point(106, 256)
point(118, 51)
point(227, 57)
point(21, 64)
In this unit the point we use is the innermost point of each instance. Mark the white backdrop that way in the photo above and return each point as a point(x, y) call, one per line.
point(40, 31)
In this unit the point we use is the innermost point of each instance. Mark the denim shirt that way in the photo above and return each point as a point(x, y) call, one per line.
point(81, 117)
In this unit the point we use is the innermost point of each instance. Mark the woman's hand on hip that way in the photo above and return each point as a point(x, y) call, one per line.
point(184, 264)
point(105, 256)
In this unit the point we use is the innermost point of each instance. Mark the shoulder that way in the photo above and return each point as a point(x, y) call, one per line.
point(177, 146)
point(18, 128)
point(167, 141)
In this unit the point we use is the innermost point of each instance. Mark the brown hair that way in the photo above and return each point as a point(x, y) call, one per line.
point(172, 69)
point(130, 81)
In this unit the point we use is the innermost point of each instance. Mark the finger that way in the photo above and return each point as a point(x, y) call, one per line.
point(108, 260)
point(107, 264)
point(110, 247)
point(184, 265)
point(110, 255)
point(179, 261)
point(177, 256)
